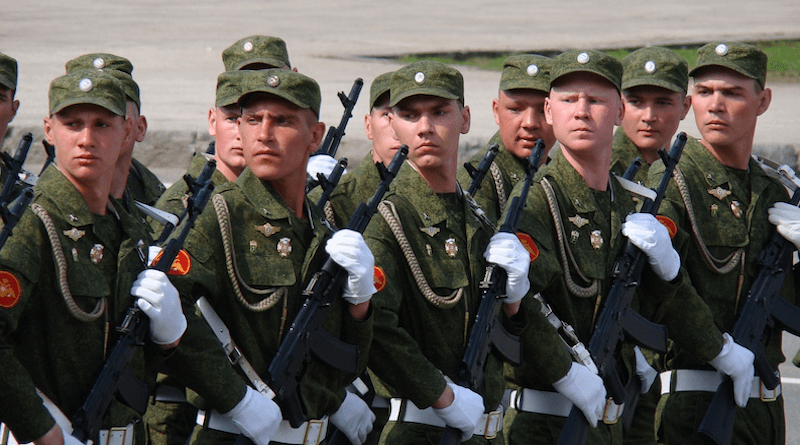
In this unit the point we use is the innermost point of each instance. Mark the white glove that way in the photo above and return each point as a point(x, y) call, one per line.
point(786, 219)
point(354, 419)
point(507, 251)
point(69, 439)
point(321, 164)
point(348, 249)
point(646, 373)
point(152, 254)
point(159, 300)
point(585, 390)
point(256, 416)
point(464, 413)
point(649, 235)
point(736, 361)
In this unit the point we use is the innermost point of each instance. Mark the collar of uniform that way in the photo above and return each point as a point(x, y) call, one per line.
point(513, 168)
point(714, 173)
point(580, 197)
point(366, 168)
point(262, 195)
point(410, 184)
point(623, 149)
point(66, 198)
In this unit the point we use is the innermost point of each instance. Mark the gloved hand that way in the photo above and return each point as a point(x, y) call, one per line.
point(152, 254)
point(256, 416)
point(507, 251)
point(786, 219)
point(585, 390)
point(354, 418)
point(736, 361)
point(465, 411)
point(321, 164)
point(646, 373)
point(159, 300)
point(348, 249)
point(649, 235)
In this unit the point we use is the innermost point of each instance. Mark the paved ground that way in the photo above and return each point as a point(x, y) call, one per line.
point(176, 46)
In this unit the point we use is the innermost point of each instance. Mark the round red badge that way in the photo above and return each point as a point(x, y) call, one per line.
point(10, 290)
point(672, 228)
point(379, 278)
point(530, 246)
point(180, 266)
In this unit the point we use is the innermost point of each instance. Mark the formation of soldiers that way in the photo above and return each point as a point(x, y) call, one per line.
point(81, 255)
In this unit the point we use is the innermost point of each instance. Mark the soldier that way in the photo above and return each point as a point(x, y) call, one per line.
point(572, 270)
point(68, 271)
point(8, 88)
point(254, 276)
point(722, 198)
point(519, 111)
point(140, 183)
point(654, 85)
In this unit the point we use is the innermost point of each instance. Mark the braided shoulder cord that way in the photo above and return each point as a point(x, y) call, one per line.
point(329, 216)
point(732, 260)
point(61, 269)
point(223, 216)
point(389, 213)
point(497, 175)
point(566, 252)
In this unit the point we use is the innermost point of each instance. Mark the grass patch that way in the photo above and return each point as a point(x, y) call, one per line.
point(783, 57)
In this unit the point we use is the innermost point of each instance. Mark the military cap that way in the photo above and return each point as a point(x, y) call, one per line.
point(117, 66)
point(8, 72)
point(380, 86)
point(229, 88)
point(297, 88)
point(256, 49)
point(655, 66)
point(745, 59)
point(428, 78)
point(589, 61)
point(87, 87)
point(526, 71)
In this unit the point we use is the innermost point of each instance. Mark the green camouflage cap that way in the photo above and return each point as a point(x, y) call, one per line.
point(117, 66)
point(229, 88)
point(526, 71)
point(256, 49)
point(745, 59)
point(95, 87)
point(655, 66)
point(588, 61)
point(427, 78)
point(380, 86)
point(297, 88)
point(8, 72)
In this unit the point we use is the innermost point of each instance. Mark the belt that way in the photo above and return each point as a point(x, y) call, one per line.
point(170, 394)
point(311, 432)
point(529, 400)
point(708, 381)
point(488, 426)
point(360, 388)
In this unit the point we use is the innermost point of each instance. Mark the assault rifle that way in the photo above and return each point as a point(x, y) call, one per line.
point(619, 323)
point(116, 377)
point(306, 336)
point(762, 311)
point(477, 175)
point(13, 166)
point(11, 213)
point(487, 330)
point(329, 183)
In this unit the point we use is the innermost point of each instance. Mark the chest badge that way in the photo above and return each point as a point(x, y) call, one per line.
point(736, 208)
point(267, 229)
point(96, 254)
point(714, 209)
point(596, 238)
point(74, 233)
point(578, 220)
point(284, 247)
point(450, 247)
point(430, 230)
point(719, 192)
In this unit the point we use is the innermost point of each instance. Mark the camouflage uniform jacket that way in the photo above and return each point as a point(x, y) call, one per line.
point(143, 185)
point(730, 207)
point(622, 154)
point(274, 250)
point(592, 228)
point(354, 188)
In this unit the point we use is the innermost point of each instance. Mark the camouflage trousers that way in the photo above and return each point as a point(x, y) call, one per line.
point(408, 433)
point(169, 423)
point(544, 429)
point(760, 423)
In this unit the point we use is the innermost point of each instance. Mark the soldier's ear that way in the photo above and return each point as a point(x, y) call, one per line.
point(765, 98)
point(548, 112)
point(48, 130)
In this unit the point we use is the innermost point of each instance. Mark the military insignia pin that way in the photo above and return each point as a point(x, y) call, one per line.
point(74, 233)
point(719, 193)
point(596, 239)
point(573, 236)
point(736, 208)
point(284, 247)
point(714, 209)
point(267, 229)
point(578, 220)
point(253, 246)
point(74, 254)
point(430, 231)
point(450, 247)
point(96, 254)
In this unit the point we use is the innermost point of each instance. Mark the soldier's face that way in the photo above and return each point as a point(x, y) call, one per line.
point(278, 137)
point(223, 125)
point(583, 110)
point(431, 127)
point(520, 115)
point(378, 128)
point(88, 140)
point(652, 115)
point(726, 106)
point(8, 109)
